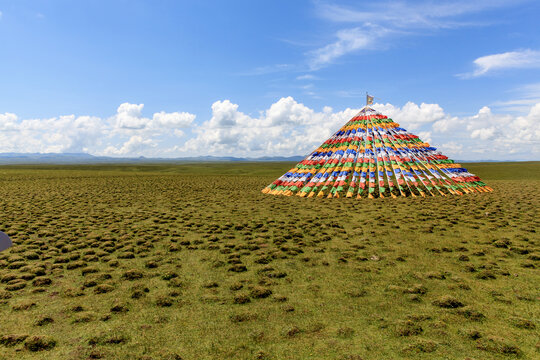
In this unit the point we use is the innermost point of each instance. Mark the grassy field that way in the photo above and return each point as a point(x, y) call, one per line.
point(194, 262)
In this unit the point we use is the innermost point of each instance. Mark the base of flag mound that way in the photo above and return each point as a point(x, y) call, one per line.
point(372, 157)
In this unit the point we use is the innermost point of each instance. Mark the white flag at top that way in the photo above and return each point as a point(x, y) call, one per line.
point(369, 100)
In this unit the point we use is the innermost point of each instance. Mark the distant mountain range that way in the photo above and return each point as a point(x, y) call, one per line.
point(82, 158)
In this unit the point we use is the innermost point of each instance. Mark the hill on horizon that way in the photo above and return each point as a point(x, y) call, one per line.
point(84, 158)
point(12, 158)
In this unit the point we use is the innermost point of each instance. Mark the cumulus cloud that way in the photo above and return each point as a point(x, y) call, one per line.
point(484, 133)
point(7, 121)
point(290, 128)
point(501, 136)
point(509, 60)
point(134, 145)
point(287, 127)
point(225, 114)
point(425, 136)
point(412, 115)
point(173, 120)
point(129, 116)
point(451, 147)
point(127, 132)
point(59, 134)
point(288, 111)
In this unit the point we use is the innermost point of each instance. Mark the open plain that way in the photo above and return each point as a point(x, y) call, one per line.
point(193, 262)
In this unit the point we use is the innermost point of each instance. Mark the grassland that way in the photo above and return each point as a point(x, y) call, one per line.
point(194, 262)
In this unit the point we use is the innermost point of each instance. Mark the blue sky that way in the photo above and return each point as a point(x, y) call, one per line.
point(255, 78)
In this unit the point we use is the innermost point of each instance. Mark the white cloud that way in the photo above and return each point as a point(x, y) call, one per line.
point(383, 20)
point(291, 128)
point(509, 60)
point(425, 136)
point(173, 120)
point(306, 77)
point(225, 114)
point(134, 145)
point(129, 116)
point(484, 133)
point(178, 133)
point(452, 148)
point(285, 128)
point(499, 136)
point(127, 132)
point(7, 121)
point(411, 115)
point(403, 14)
point(61, 134)
point(520, 99)
point(288, 111)
point(348, 40)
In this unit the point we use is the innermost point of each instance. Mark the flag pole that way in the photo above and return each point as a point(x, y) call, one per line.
point(364, 110)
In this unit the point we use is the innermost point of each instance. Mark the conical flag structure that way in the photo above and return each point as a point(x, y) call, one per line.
point(371, 156)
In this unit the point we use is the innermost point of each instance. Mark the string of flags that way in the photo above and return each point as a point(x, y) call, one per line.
point(372, 156)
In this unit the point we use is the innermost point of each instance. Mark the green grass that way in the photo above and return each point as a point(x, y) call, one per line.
point(529, 170)
point(192, 261)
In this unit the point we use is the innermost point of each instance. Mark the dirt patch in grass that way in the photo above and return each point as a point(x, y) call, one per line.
point(39, 343)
